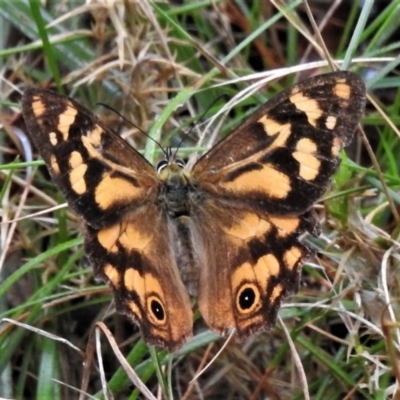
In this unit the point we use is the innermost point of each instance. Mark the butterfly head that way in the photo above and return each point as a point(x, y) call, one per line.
point(165, 164)
point(171, 170)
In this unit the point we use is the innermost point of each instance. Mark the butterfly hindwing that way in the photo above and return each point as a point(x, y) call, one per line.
point(255, 264)
point(135, 257)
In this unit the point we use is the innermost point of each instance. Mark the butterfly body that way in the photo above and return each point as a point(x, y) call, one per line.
point(226, 232)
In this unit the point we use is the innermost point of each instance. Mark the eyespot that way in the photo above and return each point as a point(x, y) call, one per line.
point(161, 165)
point(156, 310)
point(248, 298)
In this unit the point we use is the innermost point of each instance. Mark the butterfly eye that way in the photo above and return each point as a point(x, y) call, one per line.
point(161, 165)
point(181, 163)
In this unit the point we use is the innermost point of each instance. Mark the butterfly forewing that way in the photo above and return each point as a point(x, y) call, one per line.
point(281, 159)
point(100, 175)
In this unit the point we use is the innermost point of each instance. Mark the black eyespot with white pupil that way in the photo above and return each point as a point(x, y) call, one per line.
point(156, 310)
point(248, 298)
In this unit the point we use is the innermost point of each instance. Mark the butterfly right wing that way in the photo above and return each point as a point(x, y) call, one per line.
point(281, 159)
point(257, 187)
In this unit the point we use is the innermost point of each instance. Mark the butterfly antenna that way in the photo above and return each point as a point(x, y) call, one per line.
point(168, 154)
point(196, 123)
point(134, 125)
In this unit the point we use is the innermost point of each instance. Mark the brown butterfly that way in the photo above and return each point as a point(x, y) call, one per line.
point(226, 232)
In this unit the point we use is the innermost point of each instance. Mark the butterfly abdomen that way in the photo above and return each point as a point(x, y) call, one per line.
point(185, 254)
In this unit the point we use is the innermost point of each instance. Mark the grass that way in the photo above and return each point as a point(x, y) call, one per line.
point(163, 66)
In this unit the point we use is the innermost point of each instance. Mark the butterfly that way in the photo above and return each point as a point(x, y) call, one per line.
point(226, 232)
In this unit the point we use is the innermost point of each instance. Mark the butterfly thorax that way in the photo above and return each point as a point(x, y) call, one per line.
point(175, 190)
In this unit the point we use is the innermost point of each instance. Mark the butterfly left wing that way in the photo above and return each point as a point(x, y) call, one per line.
point(114, 189)
point(258, 186)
